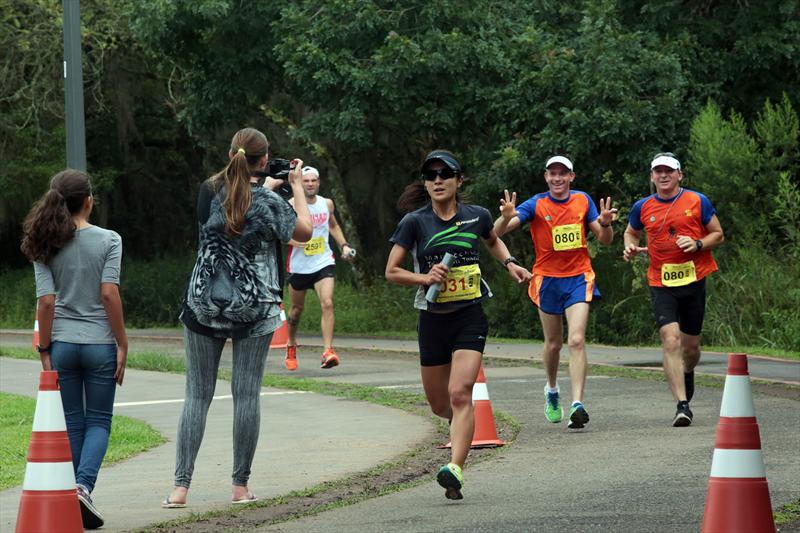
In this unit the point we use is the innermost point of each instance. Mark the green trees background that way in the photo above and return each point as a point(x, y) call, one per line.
point(363, 89)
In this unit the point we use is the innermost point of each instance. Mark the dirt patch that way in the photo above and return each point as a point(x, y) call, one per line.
point(417, 466)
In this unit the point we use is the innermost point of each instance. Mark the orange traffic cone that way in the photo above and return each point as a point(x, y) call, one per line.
point(738, 495)
point(281, 336)
point(485, 432)
point(49, 500)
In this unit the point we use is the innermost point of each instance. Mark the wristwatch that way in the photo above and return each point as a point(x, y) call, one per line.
point(45, 349)
point(699, 245)
point(510, 259)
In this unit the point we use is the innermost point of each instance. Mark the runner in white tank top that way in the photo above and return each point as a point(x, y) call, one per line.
point(316, 254)
point(311, 264)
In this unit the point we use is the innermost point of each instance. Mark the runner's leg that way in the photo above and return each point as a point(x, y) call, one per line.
point(293, 318)
point(553, 340)
point(463, 374)
point(324, 289)
point(577, 317)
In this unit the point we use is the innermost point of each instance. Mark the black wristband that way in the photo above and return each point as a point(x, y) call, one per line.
point(699, 245)
point(605, 225)
point(510, 259)
point(344, 244)
point(45, 349)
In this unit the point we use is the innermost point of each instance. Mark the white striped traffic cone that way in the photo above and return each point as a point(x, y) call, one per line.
point(49, 500)
point(738, 495)
point(281, 336)
point(485, 433)
point(35, 341)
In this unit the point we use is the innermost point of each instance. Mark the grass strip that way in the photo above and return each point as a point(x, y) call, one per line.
point(128, 438)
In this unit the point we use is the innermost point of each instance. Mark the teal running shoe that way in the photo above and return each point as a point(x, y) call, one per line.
point(452, 480)
point(578, 417)
point(552, 407)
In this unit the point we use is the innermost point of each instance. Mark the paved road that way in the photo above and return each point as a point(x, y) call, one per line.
point(761, 367)
point(628, 470)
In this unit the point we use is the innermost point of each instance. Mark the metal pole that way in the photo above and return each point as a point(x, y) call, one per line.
point(73, 86)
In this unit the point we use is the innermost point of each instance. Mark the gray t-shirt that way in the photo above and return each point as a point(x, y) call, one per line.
point(74, 275)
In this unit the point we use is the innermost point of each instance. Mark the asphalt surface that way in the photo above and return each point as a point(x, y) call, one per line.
point(628, 470)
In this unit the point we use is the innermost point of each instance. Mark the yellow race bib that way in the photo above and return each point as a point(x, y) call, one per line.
point(567, 237)
point(678, 274)
point(462, 283)
point(315, 246)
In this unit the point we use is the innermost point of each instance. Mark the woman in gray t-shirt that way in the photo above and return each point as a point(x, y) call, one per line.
point(81, 327)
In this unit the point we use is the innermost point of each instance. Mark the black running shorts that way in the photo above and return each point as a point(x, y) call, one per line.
point(440, 334)
point(303, 282)
point(685, 305)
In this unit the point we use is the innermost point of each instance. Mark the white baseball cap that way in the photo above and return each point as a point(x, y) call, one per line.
point(559, 159)
point(311, 170)
point(667, 161)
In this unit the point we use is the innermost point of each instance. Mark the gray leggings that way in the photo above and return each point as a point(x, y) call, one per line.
point(202, 363)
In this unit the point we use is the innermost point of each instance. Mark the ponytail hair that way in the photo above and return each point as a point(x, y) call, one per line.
point(248, 146)
point(49, 225)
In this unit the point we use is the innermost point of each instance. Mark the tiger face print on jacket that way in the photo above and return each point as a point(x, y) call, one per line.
point(235, 280)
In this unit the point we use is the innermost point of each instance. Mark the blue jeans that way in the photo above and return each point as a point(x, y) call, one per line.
point(86, 379)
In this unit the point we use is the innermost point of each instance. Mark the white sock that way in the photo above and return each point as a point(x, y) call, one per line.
point(551, 390)
point(576, 402)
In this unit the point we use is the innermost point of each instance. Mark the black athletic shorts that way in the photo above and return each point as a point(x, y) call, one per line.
point(303, 282)
point(440, 334)
point(685, 305)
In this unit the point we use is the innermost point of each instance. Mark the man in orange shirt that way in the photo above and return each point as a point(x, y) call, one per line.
point(563, 280)
point(682, 228)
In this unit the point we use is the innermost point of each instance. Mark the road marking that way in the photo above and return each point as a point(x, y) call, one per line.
point(225, 397)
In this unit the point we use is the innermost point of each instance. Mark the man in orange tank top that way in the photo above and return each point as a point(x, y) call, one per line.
point(682, 228)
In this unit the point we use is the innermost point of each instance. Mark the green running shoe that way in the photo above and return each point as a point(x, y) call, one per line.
point(452, 480)
point(578, 417)
point(552, 407)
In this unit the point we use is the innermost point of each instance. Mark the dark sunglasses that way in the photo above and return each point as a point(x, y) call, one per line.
point(446, 173)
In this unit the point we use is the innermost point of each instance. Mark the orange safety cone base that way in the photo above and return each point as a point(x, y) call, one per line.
point(485, 433)
point(738, 505)
point(54, 511)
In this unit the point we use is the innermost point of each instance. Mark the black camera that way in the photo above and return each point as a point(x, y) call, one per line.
point(279, 168)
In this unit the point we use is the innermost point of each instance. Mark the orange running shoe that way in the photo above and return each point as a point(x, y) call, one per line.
point(291, 358)
point(329, 359)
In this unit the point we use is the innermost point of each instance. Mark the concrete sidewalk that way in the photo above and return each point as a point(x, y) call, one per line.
point(306, 439)
point(761, 367)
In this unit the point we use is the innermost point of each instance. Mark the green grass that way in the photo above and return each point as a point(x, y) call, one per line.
point(128, 437)
point(788, 513)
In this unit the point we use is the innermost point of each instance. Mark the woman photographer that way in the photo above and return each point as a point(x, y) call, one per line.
point(234, 292)
point(452, 326)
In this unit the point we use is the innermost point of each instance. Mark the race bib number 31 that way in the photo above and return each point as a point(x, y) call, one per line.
point(678, 274)
point(567, 237)
point(315, 246)
point(462, 283)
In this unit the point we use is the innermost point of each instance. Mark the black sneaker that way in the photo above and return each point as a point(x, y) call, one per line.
point(683, 416)
point(688, 381)
point(92, 519)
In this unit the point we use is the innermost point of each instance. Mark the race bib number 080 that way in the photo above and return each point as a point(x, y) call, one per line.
point(678, 274)
point(315, 246)
point(567, 237)
point(462, 283)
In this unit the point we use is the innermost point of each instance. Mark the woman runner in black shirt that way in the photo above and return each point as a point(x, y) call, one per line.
point(452, 327)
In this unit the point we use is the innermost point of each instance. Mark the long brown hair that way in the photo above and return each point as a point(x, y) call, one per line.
point(416, 195)
point(49, 225)
point(248, 146)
